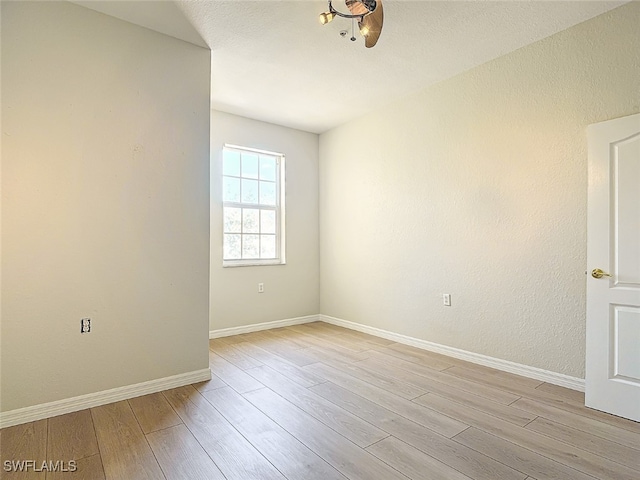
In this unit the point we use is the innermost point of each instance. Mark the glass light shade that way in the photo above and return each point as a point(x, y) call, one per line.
point(326, 17)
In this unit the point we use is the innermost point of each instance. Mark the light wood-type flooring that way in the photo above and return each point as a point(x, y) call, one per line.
point(319, 402)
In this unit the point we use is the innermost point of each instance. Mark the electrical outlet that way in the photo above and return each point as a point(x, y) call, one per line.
point(446, 299)
point(261, 288)
point(85, 325)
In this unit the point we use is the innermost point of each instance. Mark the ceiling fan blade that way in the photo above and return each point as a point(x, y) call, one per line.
point(372, 24)
point(356, 7)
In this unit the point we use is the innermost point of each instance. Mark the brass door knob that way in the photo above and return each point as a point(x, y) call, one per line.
point(597, 273)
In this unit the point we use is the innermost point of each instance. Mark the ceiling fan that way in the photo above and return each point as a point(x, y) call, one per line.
point(368, 13)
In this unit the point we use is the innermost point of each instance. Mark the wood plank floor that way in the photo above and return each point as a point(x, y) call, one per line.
point(320, 402)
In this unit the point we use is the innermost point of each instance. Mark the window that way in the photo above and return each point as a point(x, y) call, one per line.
point(253, 207)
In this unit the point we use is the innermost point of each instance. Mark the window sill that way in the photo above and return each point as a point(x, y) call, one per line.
point(251, 263)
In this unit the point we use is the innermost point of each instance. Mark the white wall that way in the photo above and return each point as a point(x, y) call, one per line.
point(291, 290)
point(105, 213)
point(477, 187)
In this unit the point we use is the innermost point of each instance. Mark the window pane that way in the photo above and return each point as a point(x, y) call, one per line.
point(249, 191)
point(268, 221)
point(232, 220)
point(267, 193)
point(231, 163)
point(250, 165)
point(252, 195)
point(232, 247)
point(267, 246)
point(230, 189)
point(251, 246)
point(267, 168)
point(250, 220)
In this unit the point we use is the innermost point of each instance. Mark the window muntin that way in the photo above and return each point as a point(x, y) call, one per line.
point(252, 195)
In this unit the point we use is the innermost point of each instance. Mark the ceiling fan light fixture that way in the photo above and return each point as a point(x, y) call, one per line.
point(368, 14)
point(326, 17)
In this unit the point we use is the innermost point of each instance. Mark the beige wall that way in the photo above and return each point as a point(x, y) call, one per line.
point(290, 290)
point(477, 187)
point(105, 168)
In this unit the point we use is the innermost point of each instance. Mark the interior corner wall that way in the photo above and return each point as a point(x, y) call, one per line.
point(477, 187)
point(105, 203)
point(291, 290)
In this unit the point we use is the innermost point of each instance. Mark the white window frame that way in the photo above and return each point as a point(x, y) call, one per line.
point(278, 208)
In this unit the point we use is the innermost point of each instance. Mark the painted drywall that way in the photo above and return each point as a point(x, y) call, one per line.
point(105, 203)
point(477, 187)
point(290, 290)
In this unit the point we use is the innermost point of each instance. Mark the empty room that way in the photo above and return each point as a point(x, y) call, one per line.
point(320, 240)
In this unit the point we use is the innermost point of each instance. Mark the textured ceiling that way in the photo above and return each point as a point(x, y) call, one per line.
point(273, 61)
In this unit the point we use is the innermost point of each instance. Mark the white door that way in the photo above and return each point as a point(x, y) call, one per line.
point(613, 268)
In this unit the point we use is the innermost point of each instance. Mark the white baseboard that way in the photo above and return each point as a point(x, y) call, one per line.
point(73, 404)
point(256, 327)
point(567, 381)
